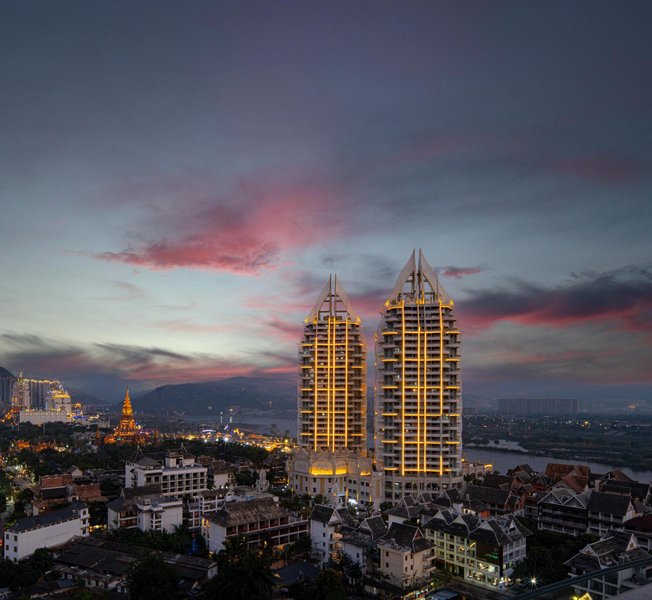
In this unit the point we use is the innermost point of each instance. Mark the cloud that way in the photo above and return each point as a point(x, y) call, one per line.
point(459, 272)
point(243, 234)
point(604, 169)
point(622, 297)
point(39, 357)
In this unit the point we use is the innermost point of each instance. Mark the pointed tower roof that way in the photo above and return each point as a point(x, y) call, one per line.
point(418, 281)
point(127, 409)
point(333, 301)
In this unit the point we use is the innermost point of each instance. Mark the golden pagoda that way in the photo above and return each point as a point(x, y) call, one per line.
point(127, 430)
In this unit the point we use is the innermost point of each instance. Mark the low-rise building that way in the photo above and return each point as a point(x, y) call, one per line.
point(404, 560)
point(256, 519)
point(563, 512)
point(483, 551)
point(177, 472)
point(45, 530)
point(145, 509)
point(339, 477)
point(98, 564)
point(326, 524)
point(617, 548)
point(609, 511)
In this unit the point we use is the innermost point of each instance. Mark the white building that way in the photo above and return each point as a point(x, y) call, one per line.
point(483, 551)
point(256, 519)
point(45, 530)
point(340, 477)
point(418, 386)
point(326, 524)
point(145, 509)
point(177, 472)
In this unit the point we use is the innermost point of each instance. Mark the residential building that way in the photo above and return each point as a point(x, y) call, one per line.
point(563, 512)
point(331, 459)
point(177, 471)
point(360, 544)
point(256, 519)
point(616, 548)
point(102, 565)
point(609, 511)
point(483, 551)
point(538, 406)
point(326, 524)
point(145, 509)
point(45, 530)
point(404, 556)
point(418, 385)
point(332, 380)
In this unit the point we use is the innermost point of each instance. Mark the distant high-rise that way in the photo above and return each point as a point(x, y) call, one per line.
point(332, 386)
point(418, 385)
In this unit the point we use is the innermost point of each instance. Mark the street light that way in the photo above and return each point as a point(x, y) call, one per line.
point(533, 581)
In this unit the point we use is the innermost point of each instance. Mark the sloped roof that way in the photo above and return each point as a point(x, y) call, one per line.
point(241, 512)
point(406, 537)
point(45, 519)
point(612, 504)
point(321, 513)
point(488, 495)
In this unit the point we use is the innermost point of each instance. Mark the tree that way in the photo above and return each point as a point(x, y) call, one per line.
point(329, 585)
point(41, 560)
point(243, 573)
point(152, 579)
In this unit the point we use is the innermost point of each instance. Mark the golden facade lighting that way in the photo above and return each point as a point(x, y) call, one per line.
point(418, 397)
point(332, 375)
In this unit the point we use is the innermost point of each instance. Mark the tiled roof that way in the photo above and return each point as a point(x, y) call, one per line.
point(321, 513)
point(46, 519)
point(247, 511)
point(405, 537)
point(611, 504)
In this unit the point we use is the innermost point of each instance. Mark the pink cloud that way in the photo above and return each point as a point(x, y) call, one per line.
point(605, 169)
point(459, 272)
point(244, 235)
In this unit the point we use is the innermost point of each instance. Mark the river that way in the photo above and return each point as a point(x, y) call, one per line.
point(502, 461)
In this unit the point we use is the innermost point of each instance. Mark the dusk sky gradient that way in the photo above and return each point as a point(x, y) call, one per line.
point(178, 179)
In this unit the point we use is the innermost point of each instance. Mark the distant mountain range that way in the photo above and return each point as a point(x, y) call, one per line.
point(211, 397)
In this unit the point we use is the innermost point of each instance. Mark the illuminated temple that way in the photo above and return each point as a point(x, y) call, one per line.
point(127, 431)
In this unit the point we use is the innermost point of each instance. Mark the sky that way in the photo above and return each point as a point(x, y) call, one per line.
point(178, 179)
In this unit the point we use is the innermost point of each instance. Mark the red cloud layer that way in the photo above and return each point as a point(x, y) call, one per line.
point(242, 236)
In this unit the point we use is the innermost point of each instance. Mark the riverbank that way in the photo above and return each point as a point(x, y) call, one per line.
point(503, 460)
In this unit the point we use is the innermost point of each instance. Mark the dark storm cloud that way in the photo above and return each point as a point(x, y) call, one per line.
point(40, 357)
point(622, 297)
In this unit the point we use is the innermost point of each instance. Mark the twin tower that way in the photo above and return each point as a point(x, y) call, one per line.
point(417, 410)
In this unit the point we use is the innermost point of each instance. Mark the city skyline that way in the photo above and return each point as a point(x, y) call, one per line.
point(174, 193)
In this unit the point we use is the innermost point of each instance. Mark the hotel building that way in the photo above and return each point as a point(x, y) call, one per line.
point(332, 459)
point(418, 385)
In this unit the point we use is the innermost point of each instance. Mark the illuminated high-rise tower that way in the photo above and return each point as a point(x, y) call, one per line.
point(332, 382)
point(332, 459)
point(418, 386)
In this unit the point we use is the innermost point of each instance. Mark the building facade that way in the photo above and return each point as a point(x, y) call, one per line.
point(45, 530)
point(483, 551)
point(332, 392)
point(418, 385)
point(177, 472)
point(256, 519)
point(332, 459)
